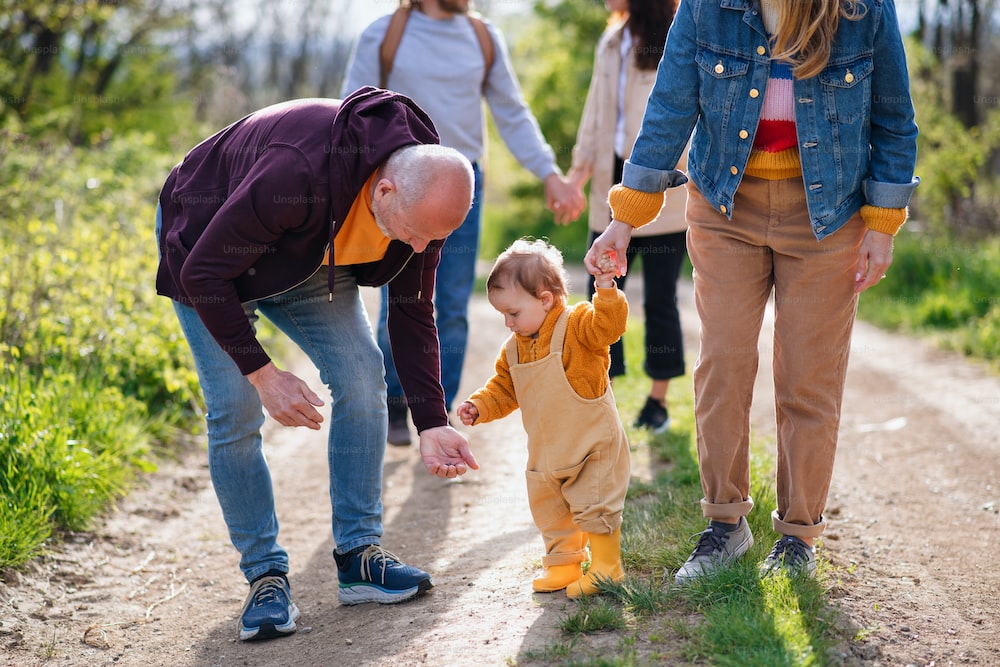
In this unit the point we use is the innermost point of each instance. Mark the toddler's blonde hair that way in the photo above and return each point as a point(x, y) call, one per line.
point(535, 266)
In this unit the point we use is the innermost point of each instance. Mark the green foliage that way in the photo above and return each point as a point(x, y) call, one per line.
point(93, 364)
point(959, 191)
point(941, 287)
point(553, 59)
point(89, 68)
point(593, 614)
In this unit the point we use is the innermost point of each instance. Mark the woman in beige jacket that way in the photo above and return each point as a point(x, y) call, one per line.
point(625, 65)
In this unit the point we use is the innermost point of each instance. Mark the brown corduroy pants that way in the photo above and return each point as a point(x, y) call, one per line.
point(768, 246)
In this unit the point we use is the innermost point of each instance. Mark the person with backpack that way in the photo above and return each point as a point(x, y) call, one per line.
point(448, 61)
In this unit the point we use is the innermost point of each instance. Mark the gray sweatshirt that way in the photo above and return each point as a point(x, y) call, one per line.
point(439, 65)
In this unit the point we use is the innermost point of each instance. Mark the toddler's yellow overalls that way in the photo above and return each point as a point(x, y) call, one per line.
point(578, 455)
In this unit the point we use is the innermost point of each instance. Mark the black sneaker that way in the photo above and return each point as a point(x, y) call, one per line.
point(268, 611)
point(792, 555)
point(653, 416)
point(399, 427)
point(372, 574)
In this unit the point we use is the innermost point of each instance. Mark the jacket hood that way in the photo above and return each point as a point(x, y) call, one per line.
point(371, 125)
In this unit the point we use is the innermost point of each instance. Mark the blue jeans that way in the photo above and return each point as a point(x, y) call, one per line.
point(456, 276)
point(337, 337)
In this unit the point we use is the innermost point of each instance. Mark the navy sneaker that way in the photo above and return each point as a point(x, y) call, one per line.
point(372, 574)
point(268, 611)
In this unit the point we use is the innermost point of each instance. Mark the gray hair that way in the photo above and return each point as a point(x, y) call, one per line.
point(416, 169)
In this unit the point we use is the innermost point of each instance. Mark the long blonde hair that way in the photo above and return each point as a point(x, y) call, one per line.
point(805, 31)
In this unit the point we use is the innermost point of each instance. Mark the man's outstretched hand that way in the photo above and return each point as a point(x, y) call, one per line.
point(446, 452)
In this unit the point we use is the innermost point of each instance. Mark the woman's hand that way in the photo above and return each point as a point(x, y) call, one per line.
point(613, 240)
point(874, 259)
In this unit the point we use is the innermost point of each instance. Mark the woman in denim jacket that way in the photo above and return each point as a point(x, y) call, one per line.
point(801, 168)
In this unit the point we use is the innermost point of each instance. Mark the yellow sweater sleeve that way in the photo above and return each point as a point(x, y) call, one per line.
point(887, 220)
point(497, 398)
point(634, 207)
point(592, 327)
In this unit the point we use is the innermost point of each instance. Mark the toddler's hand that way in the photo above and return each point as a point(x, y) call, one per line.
point(608, 262)
point(607, 267)
point(468, 413)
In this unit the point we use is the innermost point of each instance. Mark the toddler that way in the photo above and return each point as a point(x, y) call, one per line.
point(555, 369)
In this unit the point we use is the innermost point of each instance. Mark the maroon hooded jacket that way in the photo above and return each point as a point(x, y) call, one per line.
point(251, 211)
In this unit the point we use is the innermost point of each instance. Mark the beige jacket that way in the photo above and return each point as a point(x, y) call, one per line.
point(595, 140)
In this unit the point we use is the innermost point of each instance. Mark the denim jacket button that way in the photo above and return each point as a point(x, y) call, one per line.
point(850, 77)
point(722, 207)
point(733, 170)
point(719, 69)
point(744, 134)
point(754, 93)
point(761, 50)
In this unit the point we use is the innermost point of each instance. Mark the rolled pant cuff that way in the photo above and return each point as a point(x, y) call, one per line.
point(551, 560)
point(726, 512)
point(602, 525)
point(796, 529)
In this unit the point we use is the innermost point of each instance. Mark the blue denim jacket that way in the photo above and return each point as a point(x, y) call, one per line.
point(856, 131)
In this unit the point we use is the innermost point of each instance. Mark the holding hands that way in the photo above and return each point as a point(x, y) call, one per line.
point(563, 198)
point(607, 265)
point(611, 244)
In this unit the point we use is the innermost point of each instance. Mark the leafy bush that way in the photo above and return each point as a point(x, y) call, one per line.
point(959, 188)
point(94, 367)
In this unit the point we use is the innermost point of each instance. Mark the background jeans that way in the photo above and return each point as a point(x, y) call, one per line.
point(337, 337)
point(456, 274)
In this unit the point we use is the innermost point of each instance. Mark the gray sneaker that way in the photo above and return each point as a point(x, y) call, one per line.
point(716, 548)
point(792, 555)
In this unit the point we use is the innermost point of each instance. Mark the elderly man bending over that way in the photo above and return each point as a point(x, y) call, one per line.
point(284, 214)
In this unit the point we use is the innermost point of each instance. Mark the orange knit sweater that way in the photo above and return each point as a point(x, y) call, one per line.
point(591, 328)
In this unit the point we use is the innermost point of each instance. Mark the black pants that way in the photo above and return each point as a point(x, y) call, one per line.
point(662, 258)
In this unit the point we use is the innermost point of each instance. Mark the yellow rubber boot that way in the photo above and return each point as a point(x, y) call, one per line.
point(557, 578)
point(605, 564)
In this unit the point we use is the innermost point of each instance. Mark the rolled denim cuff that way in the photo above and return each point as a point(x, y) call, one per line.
point(888, 195)
point(647, 179)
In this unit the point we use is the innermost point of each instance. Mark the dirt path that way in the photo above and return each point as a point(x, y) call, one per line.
point(913, 519)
